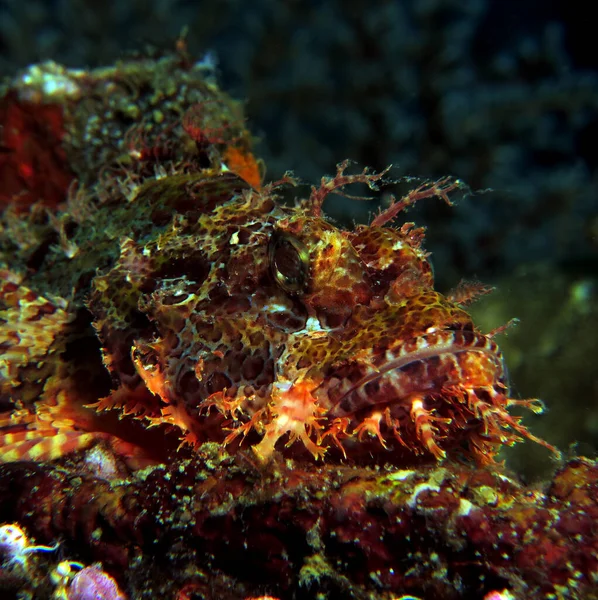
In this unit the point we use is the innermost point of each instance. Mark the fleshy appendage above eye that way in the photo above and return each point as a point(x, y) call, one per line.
point(289, 262)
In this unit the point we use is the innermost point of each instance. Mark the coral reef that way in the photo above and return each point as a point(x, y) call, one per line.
point(224, 529)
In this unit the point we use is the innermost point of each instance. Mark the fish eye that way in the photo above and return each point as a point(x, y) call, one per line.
point(289, 262)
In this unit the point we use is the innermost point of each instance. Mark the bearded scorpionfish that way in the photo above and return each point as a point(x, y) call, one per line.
point(218, 314)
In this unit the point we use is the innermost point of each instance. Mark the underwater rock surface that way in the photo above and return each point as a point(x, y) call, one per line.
point(439, 531)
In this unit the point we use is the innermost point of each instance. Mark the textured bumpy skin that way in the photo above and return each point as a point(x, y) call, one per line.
point(241, 318)
point(181, 299)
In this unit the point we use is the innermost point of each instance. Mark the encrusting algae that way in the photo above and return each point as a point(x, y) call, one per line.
point(172, 311)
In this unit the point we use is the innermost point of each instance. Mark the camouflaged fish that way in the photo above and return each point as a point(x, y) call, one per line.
point(188, 303)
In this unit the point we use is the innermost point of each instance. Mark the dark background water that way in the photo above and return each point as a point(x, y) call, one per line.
point(500, 93)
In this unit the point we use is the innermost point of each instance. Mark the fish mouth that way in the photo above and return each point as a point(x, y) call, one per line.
point(424, 365)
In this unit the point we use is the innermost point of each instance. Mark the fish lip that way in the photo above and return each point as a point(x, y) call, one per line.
point(427, 346)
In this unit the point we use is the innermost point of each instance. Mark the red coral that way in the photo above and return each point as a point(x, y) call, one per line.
point(33, 164)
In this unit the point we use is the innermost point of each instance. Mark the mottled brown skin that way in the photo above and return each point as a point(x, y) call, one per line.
point(228, 317)
point(247, 319)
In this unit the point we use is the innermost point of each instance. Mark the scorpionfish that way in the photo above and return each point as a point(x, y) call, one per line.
point(196, 306)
